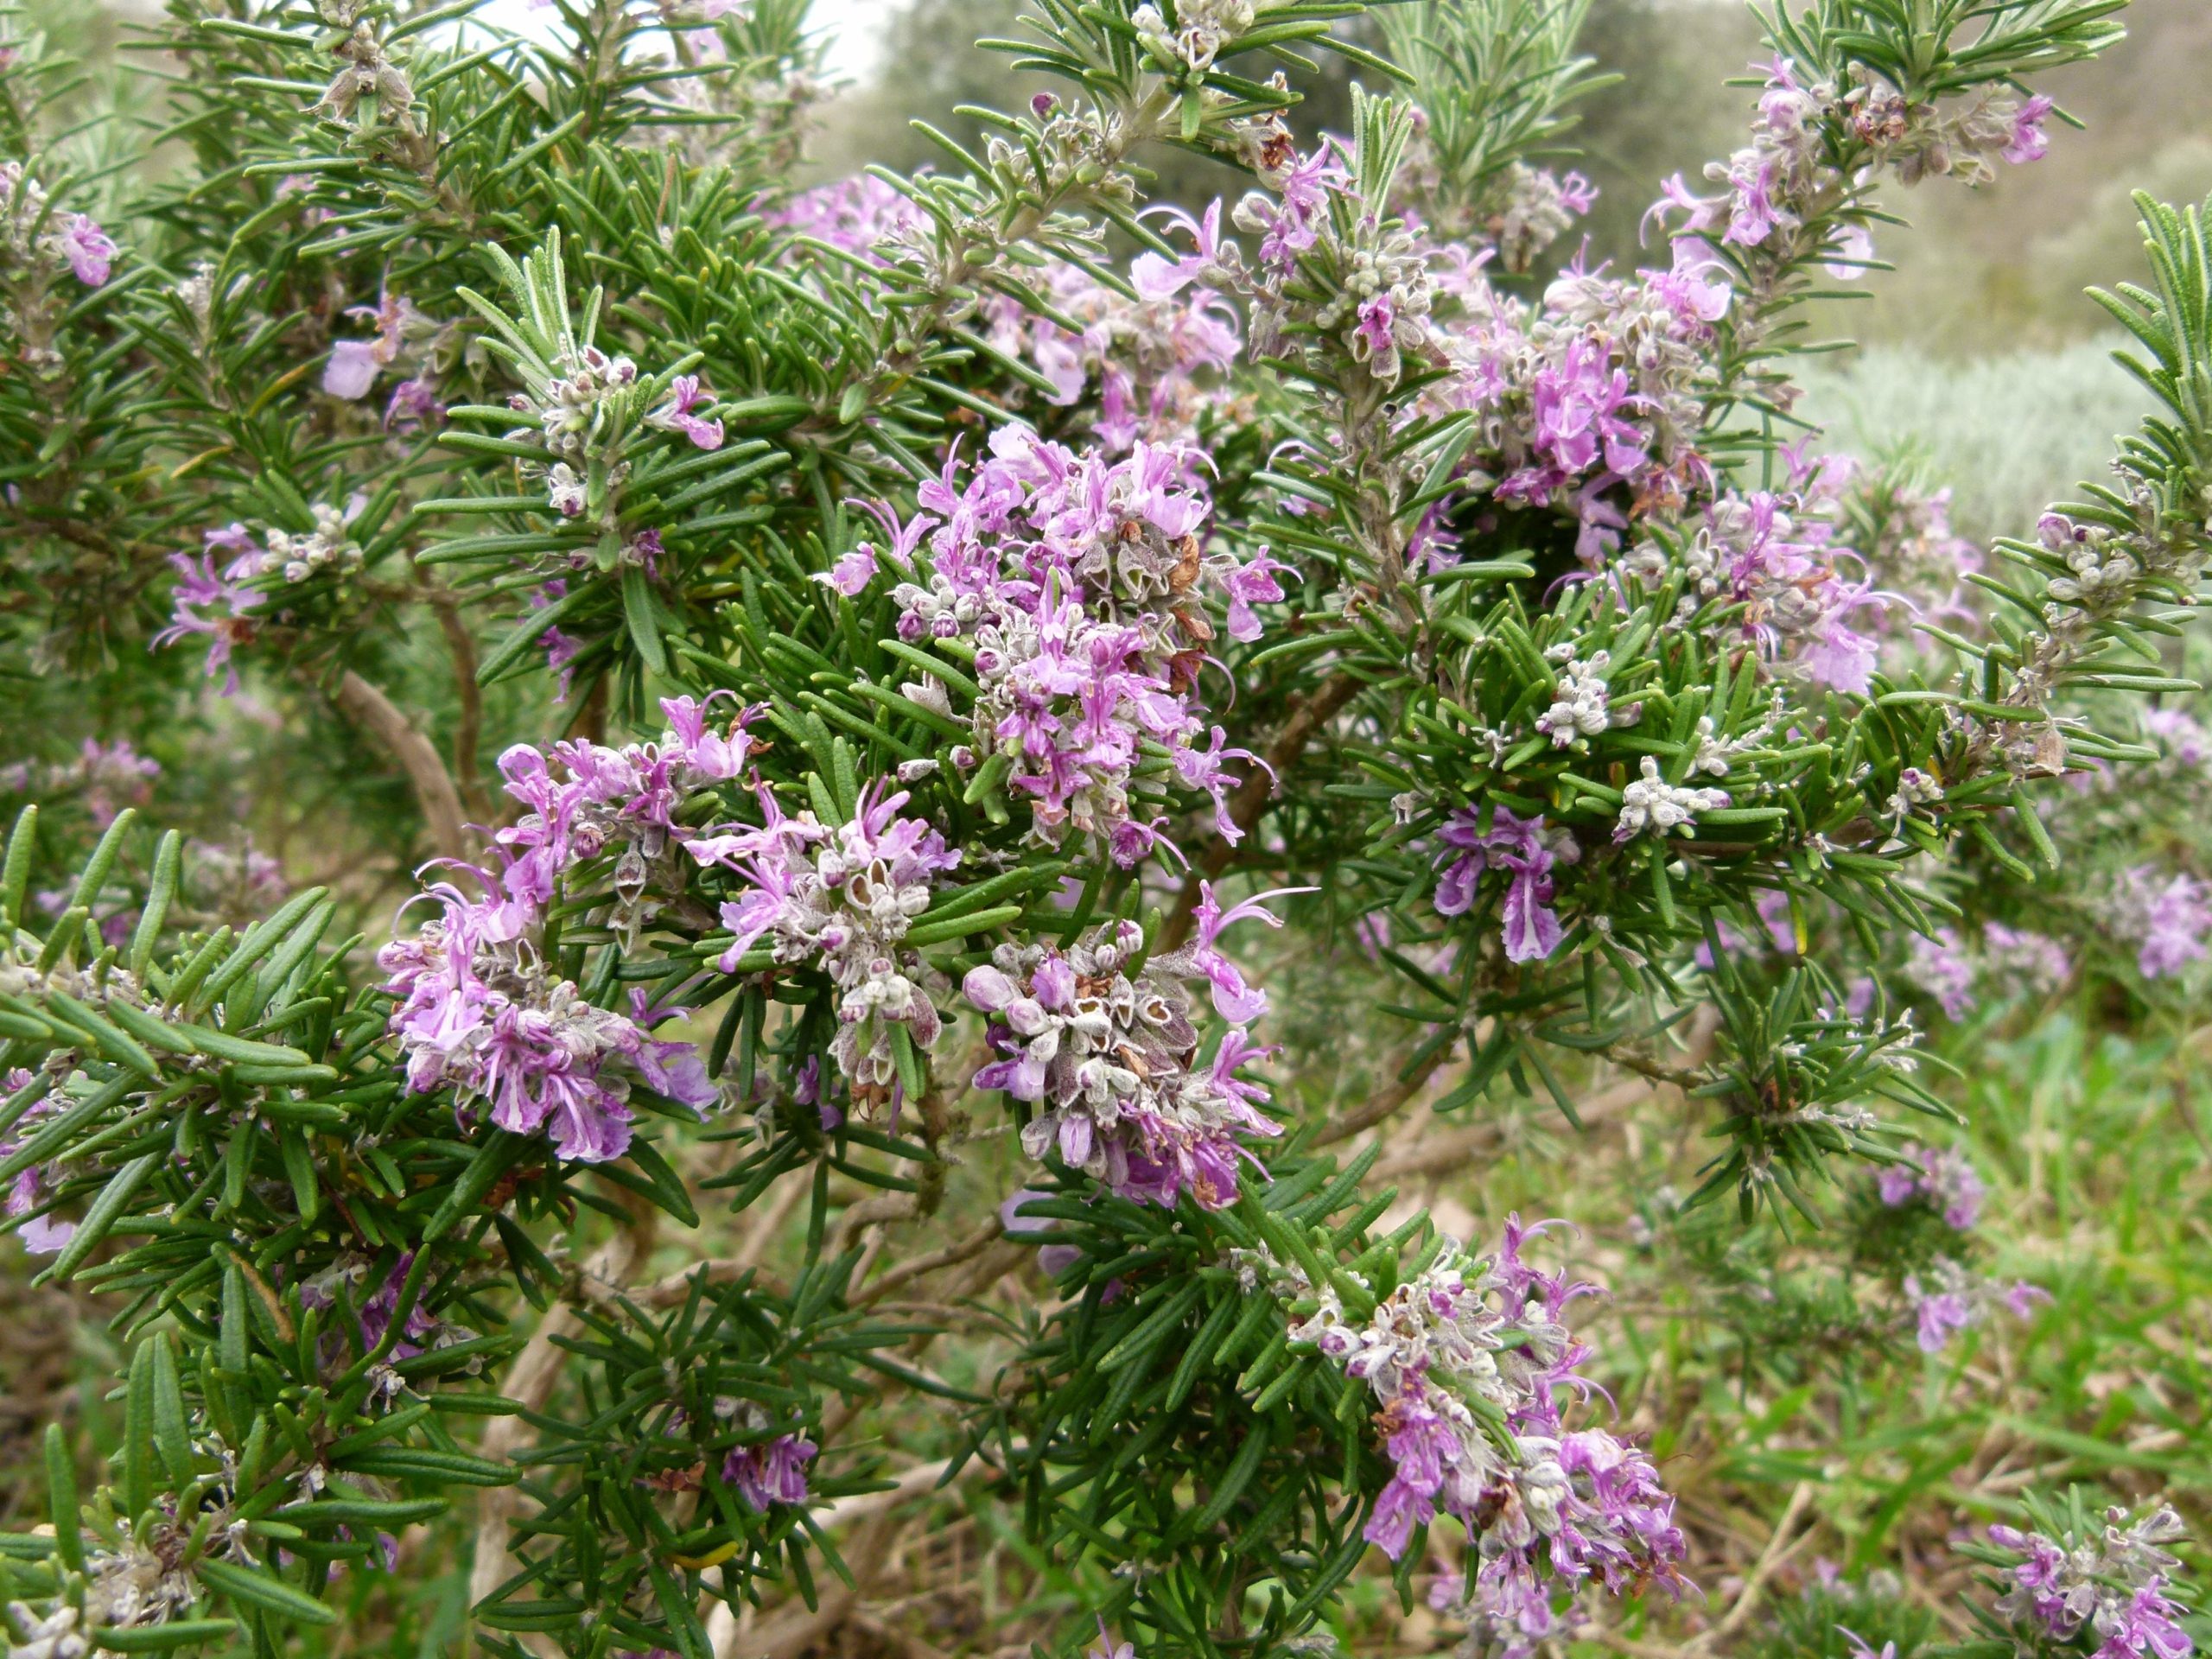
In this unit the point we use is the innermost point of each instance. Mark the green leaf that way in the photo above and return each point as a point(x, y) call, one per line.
point(62, 1499)
point(16, 868)
point(255, 1587)
point(637, 611)
point(104, 1211)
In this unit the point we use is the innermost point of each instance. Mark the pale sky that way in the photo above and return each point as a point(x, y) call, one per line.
point(854, 28)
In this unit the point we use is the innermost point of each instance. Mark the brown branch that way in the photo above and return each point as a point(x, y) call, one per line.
point(1773, 1557)
point(906, 1272)
point(376, 715)
point(1384, 1103)
point(1307, 715)
point(469, 727)
point(531, 1384)
point(590, 721)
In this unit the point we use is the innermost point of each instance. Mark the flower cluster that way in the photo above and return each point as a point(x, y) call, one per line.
point(1586, 401)
point(110, 775)
point(856, 215)
point(1078, 582)
point(581, 414)
point(1380, 289)
point(41, 1235)
point(1942, 1179)
point(1783, 181)
point(2116, 1589)
point(841, 900)
point(1466, 1361)
point(481, 1009)
point(2167, 917)
point(34, 237)
point(236, 878)
point(1523, 850)
point(1148, 358)
point(1949, 1298)
point(1775, 555)
point(766, 1472)
point(2011, 960)
point(224, 605)
point(1103, 1043)
point(402, 331)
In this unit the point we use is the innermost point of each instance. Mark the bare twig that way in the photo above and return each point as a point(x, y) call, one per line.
point(892, 1637)
point(1771, 1558)
point(379, 717)
point(530, 1382)
point(1308, 715)
point(906, 1272)
point(468, 726)
point(1389, 1101)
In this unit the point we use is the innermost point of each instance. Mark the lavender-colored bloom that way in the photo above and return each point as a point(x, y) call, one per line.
point(773, 1473)
point(1078, 582)
point(218, 605)
point(2029, 961)
point(1545, 1504)
point(1941, 968)
point(1949, 1299)
point(480, 1012)
point(560, 648)
point(90, 251)
point(2116, 1587)
point(684, 395)
point(856, 215)
point(2028, 142)
point(1939, 1314)
point(351, 369)
point(1525, 852)
point(1113, 1062)
point(354, 363)
point(841, 900)
point(2168, 918)
point(1944, 1180)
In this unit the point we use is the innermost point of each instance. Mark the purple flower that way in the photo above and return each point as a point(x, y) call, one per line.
point(841, 900)
point(2022, 1299)
point(2169, 920)
point(46, 1235)
point(560, 648)
point(414, 404)
point(1542, 1505)
point(1076, 580)
point(1526, 853)
point(774, 1473)
point(478, 1010)
point(712, 757)
point(855, 214)
point(354, 363)
point(89, 250)
point(1402, 1507)
point(1941, 968)
point(1114, 1063)
point(1250, 584)
point(2029, 142)
point(201, 590)
point(1944, 1180)
point(1233, 1000)
point(351, 369)
point(684, 395)
point(2113, 1584)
